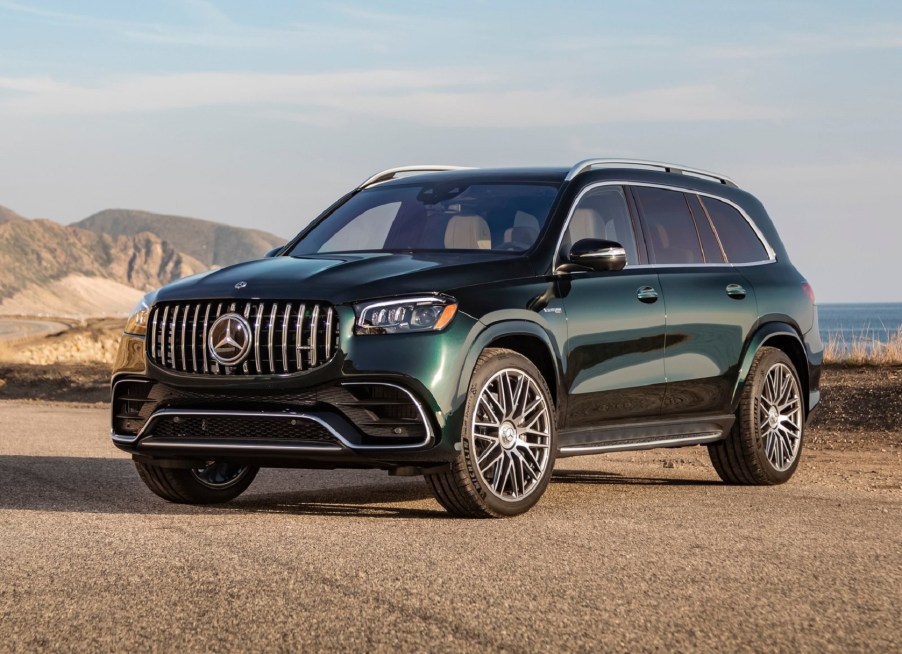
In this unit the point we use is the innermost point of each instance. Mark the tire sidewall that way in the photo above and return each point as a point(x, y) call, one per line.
point(489, 367)
point(769, 358)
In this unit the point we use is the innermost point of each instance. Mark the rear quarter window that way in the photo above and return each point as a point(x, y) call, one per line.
point(739, 241)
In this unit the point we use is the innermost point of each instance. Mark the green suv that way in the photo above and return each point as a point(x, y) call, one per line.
point(474, 325)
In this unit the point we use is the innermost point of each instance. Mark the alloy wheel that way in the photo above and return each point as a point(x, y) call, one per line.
point(780, 419)
point(511, 434)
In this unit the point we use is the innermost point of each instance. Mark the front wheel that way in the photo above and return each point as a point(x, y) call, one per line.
point(213, 482)
point(508, 443)
point(765, 444)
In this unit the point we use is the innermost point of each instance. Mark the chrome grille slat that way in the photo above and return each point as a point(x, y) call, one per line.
point(285, 322)
point(278, 327)
point(272, 330)
point(328, 339)
point(205, 334)
point(314, 327)
point(184, 334)
point(257, 325)
point(194, 339)
point(299, 335)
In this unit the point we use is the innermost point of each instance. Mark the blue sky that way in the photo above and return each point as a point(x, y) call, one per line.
point(260, 114)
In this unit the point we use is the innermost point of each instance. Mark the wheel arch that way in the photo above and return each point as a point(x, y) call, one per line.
point(523, 337)
point(785, 338)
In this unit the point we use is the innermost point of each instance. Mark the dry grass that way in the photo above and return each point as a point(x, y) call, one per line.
point(865, 348)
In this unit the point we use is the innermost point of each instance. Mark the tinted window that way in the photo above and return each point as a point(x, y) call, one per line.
point(602, 213)
point(710, 245)
point(436, 216)
point(740, 243)
point(669, 229)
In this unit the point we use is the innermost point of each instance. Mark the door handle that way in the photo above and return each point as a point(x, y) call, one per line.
point(647, 294)
point(735, 291)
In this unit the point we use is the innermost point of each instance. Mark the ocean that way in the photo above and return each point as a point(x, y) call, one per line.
point(847, 322)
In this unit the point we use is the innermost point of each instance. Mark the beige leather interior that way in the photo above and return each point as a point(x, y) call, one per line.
point(468, 232)
point(525, 230)
point(586, 223)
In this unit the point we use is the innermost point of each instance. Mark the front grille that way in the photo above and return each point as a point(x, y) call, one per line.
point(286, 337)
point(232, 427)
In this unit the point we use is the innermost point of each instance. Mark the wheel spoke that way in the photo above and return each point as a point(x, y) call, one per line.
point(511, 434)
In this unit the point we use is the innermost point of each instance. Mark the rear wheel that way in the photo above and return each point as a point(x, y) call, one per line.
point(765, 444)
point(212, 483)
point(508, 443)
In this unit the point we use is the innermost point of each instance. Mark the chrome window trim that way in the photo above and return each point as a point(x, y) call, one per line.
point(772, 255)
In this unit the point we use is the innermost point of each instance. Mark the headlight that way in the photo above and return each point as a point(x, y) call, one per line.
point(137, 320)
point(417, 314)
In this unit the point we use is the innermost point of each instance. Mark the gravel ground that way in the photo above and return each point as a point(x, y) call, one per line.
point(632, 551)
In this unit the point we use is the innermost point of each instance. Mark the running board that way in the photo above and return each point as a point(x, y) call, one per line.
point(640, 444)
point(645, 435)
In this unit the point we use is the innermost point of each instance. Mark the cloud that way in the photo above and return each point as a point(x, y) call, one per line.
point(872, 37)
point(437, 98)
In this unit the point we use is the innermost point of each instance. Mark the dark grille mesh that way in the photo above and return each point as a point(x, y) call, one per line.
point(241, 428)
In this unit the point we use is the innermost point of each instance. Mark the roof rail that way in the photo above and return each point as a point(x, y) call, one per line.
point(587, 164)
point(392, 173)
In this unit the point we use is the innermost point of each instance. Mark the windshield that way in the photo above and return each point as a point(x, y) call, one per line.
point(491, 217)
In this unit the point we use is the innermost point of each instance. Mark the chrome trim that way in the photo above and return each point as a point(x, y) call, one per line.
point(285, 320)
point(120, 438)
point(162, 330)
point(257, 326)
point(206, 325)
point(194, 338)
point(175, 318)
point(689, 439)
point(298, 335)
point(587, 164)
point(245, 366)
point(430, 436)
point(772, 256)
point(153, 335)
point(329, 313)
point(314, 327)
point(391, 173)
point(270, 350)
point(184, 333)
point(227, 447)
point(162, 413)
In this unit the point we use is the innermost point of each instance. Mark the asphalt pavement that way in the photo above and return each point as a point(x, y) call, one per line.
point(626, 552)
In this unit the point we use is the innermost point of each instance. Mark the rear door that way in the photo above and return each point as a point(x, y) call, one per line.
point(710, 306)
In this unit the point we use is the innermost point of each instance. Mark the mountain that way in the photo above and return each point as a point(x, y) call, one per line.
point(103, 264)
point(8, 215)
point(212, 243)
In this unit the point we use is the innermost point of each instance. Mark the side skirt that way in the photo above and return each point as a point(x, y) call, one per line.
point(645, 435)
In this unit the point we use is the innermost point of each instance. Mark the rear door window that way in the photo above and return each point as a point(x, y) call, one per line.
point(740, 242)
point(669, 229)
point(710, 244)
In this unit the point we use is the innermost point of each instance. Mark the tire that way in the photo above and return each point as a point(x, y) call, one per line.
point(508, 442)
point(765, 444)
point(214, 483)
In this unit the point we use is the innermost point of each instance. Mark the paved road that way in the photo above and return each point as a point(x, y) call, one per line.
point(638, 552)
point(11, 329)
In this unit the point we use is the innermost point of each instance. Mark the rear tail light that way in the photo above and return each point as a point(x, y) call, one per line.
point(809, 292)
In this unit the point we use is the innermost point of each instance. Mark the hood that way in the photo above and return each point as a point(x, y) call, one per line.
point(346, 278)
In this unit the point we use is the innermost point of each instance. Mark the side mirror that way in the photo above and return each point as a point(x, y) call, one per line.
point(273, 252)
point(594, 254)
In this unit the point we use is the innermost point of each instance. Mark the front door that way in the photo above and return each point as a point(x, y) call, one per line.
point(614, 355)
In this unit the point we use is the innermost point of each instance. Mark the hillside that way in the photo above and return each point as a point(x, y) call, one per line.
point(8, 215)
point(44, 265)
point(213, 244)
point(102, 265)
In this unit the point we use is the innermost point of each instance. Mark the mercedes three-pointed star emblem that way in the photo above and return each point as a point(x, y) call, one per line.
point(230, 339)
